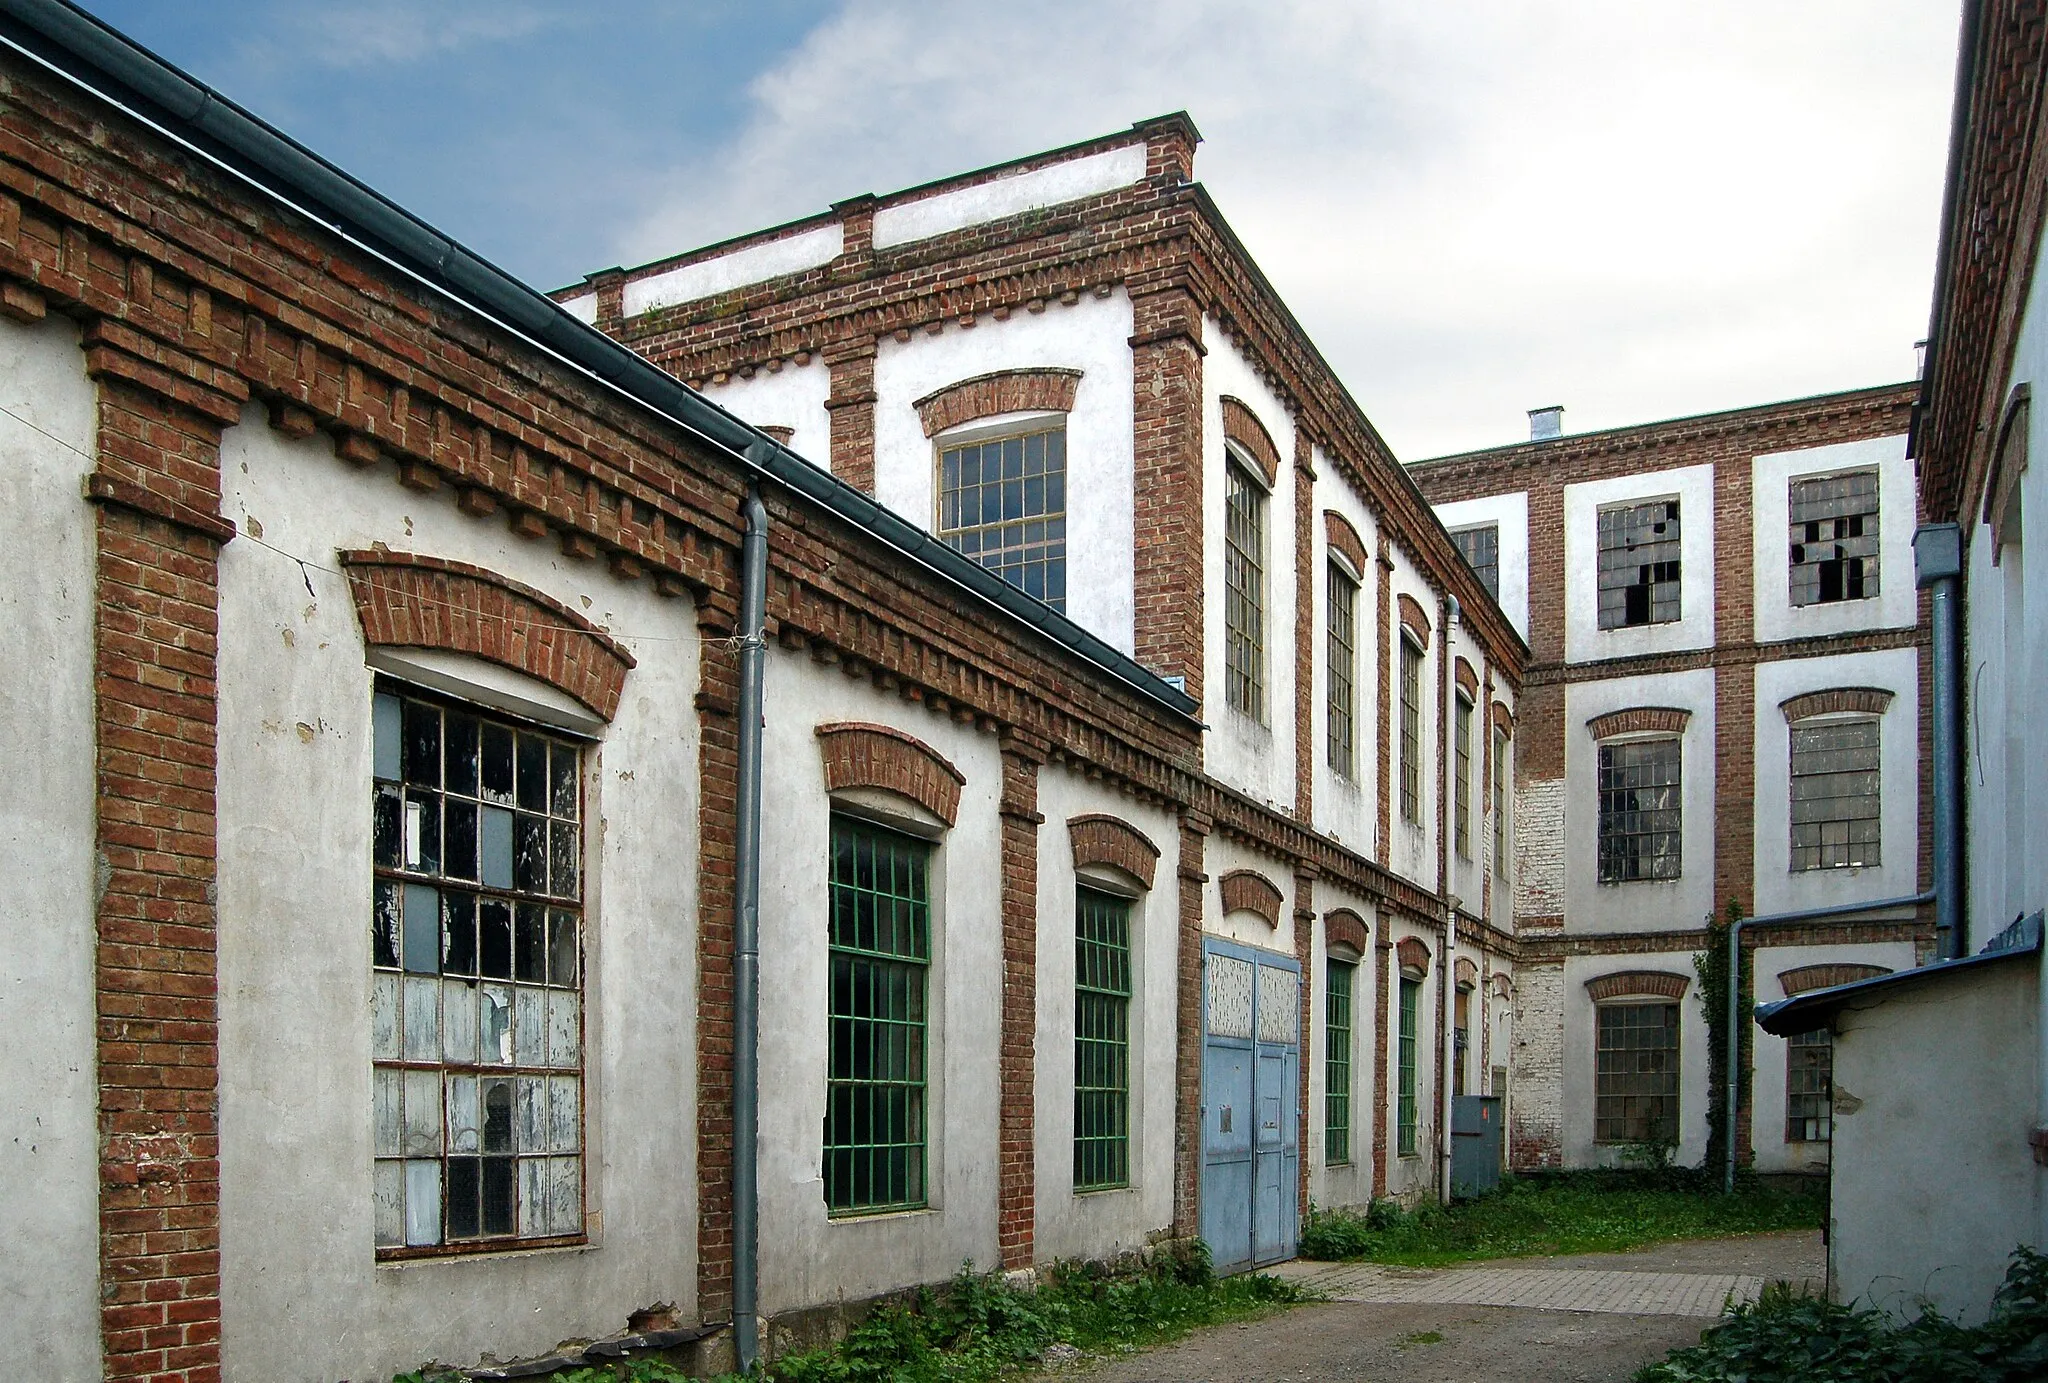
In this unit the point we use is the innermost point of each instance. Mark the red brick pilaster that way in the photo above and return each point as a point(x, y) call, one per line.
point(1383, 974)
point(1305, 956)
point(1017, 1210)
point(1304, 627)
point(1187, 1151)
point(1166, 362)
point(160, 532)
point(1385, 645)
point(851, 408)
point(718, 828)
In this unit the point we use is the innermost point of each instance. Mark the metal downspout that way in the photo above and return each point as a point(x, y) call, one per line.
point(746, 1070)
point(1447, 978)
point(1938, 569)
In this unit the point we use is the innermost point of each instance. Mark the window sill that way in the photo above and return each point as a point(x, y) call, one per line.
point(426, 1254)
point(865, 1217)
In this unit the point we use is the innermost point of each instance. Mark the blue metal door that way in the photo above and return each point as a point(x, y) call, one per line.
point(1251, 1065)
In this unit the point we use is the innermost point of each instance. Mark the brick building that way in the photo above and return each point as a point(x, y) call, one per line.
point(1725, 702)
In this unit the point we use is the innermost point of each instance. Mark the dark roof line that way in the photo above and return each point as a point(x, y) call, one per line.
point(1816, 1009)
point(114, 68)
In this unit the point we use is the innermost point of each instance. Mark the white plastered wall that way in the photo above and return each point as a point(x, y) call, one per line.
point(1642, 905)
point(1897, 873)
point(295, 877)
point(1091, 335)
point(1223, 855)
point(1252, 754)
point(1895, 606)
point(807, 1257)
point(1584, 639)
point(49, 1209)
point(1510, 513)
point(1468, 871)
point(793, 397)
point(1350, 1182)
point(1100, 1224)
point(1347, 808)
point(1577, 1085)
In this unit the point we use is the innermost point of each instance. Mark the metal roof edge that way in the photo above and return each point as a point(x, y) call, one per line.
point(1816, 1008)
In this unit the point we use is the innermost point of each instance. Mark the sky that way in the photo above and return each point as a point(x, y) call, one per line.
point(1638, 209)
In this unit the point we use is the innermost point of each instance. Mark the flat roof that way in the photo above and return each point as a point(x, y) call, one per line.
point(1816, 1009)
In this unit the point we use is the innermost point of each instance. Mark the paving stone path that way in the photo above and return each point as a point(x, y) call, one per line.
point(1541, 1289)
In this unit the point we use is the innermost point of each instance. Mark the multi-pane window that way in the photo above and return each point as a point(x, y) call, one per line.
point(1405, 1107)
point(880, 956)
point(1809, 1086)
point(1834, 538)
point(476, 1031)
point(1461, 816)
point(1635, 1073)
point(1342, 660)
point(1500, 804)
point(1341, 975)
point(1102, 1041)
point(1244, 592)
point(1640, 811)
point(1480, 548)
point(1003, 502)
point(1835, 798)
point(1411, 732)
point(1638, 577)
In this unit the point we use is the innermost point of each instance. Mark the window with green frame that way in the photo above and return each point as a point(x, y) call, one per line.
point(880, 948)
point(1102, 1041)
point(1405, 1111)
point(1337, 1061)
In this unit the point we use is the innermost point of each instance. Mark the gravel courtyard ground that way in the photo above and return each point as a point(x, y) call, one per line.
point(1601, 1317)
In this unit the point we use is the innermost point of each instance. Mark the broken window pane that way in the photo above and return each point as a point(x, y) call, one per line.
point(497, 763)
point(385, 715)
point(563, 776)
point(422, 745)
point(384, 926)
point(497, 1116)
point(533, 773)
point(530, 853)
point(562, 947)
point(494, 941)
point(461, 750)
point(1638, 564)
point(464, 1221)
point(458, 844)
point(422, 929)
point(387, 811)
point(465, 1130)
point(1834, 538)
point(497, 1197)
point(458, 943)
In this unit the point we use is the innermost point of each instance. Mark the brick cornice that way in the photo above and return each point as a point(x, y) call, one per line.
point(1338, 532)
point(1729, 654)
point(860, 755)
point(1100, 839)
point(1639, 720)
point(1629, 984)
point(1807, 977)
point(1242, 426)
point(1343, 927)
point(1245, 890)
point(410, 600)
point(1001, 391)
point(102, 488)
point(1870, 701)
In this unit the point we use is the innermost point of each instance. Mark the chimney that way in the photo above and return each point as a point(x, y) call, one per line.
point(1546, 423)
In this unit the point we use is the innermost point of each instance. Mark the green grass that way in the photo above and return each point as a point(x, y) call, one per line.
point(1576, 1212)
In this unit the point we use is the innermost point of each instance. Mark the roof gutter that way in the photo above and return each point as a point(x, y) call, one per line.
point(1959, 119)
point(114, 69)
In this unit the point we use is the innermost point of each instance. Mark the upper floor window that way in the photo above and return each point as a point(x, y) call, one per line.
point(1639, 810)
point(1836, 800)
point(1639, 564)
point(1341, 659)
point(1461, 784)
point(1480, 548)
point(1411, 732)
point(1244, 592)
point(1834, 538)
point(1003, 502)
point(476, 1029)
point(1102, 1041)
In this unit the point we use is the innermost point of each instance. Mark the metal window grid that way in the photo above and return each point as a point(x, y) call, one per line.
point(1341, 658)
point(1480, 547)
point(1102, 1041)
point(1338, 980)
point(1500, 804)
point(1405, 1110)
point(1834, 538)
point(476, 1029)
point(1244, 593)
point(1635, 1074)
point(1809, 1086)
point(1638, 564)
point(1461, 735)
point(1640, 813)
point(880, 955)
point(1836, 798)
point(1003, 502)
point(1411, 732)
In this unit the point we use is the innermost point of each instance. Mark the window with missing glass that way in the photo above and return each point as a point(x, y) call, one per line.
point(1834, 538)
point(1406, 1108)
point(476, 1019)
point(1461, 778)
point(1003, 502)
point(1635, 1073)
point(1480, 547)
point(1809, 1086)
point(1411, 732)
point(1640, 810)
point(1341, 659)
point(879, 959)
point(1638, 564)
point(1836, 804)
point(1102, 1041)
point(1244, 592)
point(1339, 978)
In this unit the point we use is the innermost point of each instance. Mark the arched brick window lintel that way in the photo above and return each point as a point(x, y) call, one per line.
point(1467, 679)
point(1503, 987)
point(1343, 927)
point(1872, 701)
point(409, 600)
point(1414, 618)
point(2008, 464)
point(1102, 840)
point(860, 755)
point(1243, 427)
point(1638, 984)
point(1467, 973)
point(1412, 954)
point(1807, 977)
point(1638, 720)
point(1503, 719)
point(1246, 890)
point(1045, 390)
point(1340, 535)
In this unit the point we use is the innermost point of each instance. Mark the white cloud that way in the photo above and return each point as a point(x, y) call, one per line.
point(382, 33)
point(1476, 206)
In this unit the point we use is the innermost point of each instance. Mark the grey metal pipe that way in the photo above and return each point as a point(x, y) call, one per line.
point(1447, 976)
point(1733, 1054)
point(746, 1021)
point(1938, 569)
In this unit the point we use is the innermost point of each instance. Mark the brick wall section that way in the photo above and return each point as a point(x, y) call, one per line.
point(718, 761)
point(1306, 748)
point(850, 406)
point(1387, 643)
point(859, 755)
point(1630, 983)
point(1536, 1074)
point(1166, 367)
point(412, 601)
point(1005, 391)
point(1017, 1205)
point(1384, 973)
point(1245, 890)
point(156, 976)
point(1637, 720)
point(1188, 1028)
point(1243, 427)
point(1108, 840)
point(1870, 701)
point(1311, 975)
